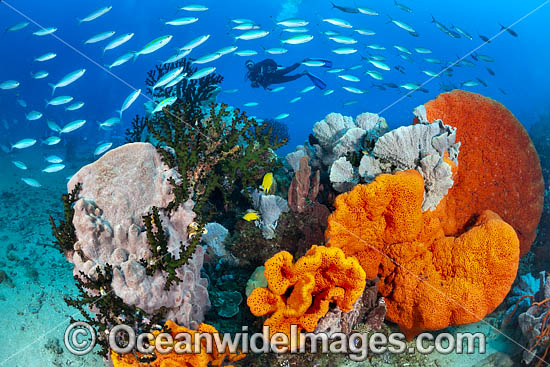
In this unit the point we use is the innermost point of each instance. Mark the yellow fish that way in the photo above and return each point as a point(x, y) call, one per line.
point(267, 182)
point(250, 216)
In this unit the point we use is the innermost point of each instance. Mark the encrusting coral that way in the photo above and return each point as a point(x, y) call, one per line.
point(499, 167)
point(187, 356)
point(429, 281)
point(300, 293)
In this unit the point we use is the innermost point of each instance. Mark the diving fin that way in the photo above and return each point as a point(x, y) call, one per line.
point(315, 80)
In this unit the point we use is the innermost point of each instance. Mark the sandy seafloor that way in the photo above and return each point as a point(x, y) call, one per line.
point(33, 313)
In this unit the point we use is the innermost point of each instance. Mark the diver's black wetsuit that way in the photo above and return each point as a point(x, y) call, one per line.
point(266, 72)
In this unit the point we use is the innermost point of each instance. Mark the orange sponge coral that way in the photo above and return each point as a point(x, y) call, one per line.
point(430, 281)
point(190, 359)
point(301, 293)
point(498, 170)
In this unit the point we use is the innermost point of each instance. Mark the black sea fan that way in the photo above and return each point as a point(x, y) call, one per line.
point(279, 130)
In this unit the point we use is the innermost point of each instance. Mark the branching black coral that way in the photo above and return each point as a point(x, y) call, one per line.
point(64, 233)
point(225, 151)
point(109, 309)
point(163, 259)
point(138, 131)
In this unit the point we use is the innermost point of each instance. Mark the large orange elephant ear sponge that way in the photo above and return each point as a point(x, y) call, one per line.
point(300, 293)
point(499, 168)
point(429, 281)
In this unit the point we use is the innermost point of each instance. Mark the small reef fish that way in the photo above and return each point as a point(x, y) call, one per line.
point(245, 27)
point(508, 29)
point(178, 56)
point(367, 11)
point(470, 83)
point(31, 182)
point(490, 71)
point(9, 84)
point(40, 74)
point(168, 77)
point(75, 106)
point(344, 51)
point(53, 159)
point(45, 31)
point(410, 86)
point(241, 21)
point(24, 143)
point(207, 58)
point(109, 123)
point(194, 7)
point(154, 45)
point(56, 167)
point(251, 216)
point(440, 26)
point(102, 148)
point(328, 92)
point(462, 32)
point(165, 103)
point(374, 74)
point(52, 140)
point(267, 182)
point(345, 9)
point(484, 38)
point(338, 22)
point(350, 103)
point(276, 51)
point(19, 165)
point(485, 58)
point(72, 126)
point(314, 63)
point(482, 81)
point(432, 60)
point(181, 21)
point(121, 60)
point(230, 91)
point(349, 78)
point(355, 67)
point(246, 53)
point(365, 32)
point(57, 101)
point(296, 30)
point(17, 27)
point(335, 70)
point(33, 115)
point(293, 23)
point(120, 40)
point(402, 49)
point(430, 73)
point(21, 102)
point(250, 104)
point(128, 101)
point(402, 25)
point(281, 116)
point(94, 15)
point(227, 50)
point(68, 79)
point(376, 47)
point(195, 42)
point(294, 100)
point(176, 80)
point(202, 73)
point(379, 64)
point(99, 37)
point(53, 126)
point(46, 57)
point(343, 39)
point(422, 50)
point(252, 35)
point(307, 89)
point(402, 7)
point(298, 39)
point(353, 90)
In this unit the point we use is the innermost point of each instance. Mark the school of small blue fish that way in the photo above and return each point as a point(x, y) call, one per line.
point(386, 67)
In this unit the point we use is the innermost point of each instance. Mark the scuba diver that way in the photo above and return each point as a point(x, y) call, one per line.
point(267, 72)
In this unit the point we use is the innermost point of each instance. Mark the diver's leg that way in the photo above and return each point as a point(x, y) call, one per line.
point(287, 70)
point(279, 79)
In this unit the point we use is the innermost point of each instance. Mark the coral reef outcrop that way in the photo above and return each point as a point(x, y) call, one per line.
point(117, 191)
point(500, 169)
point(429, 281)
